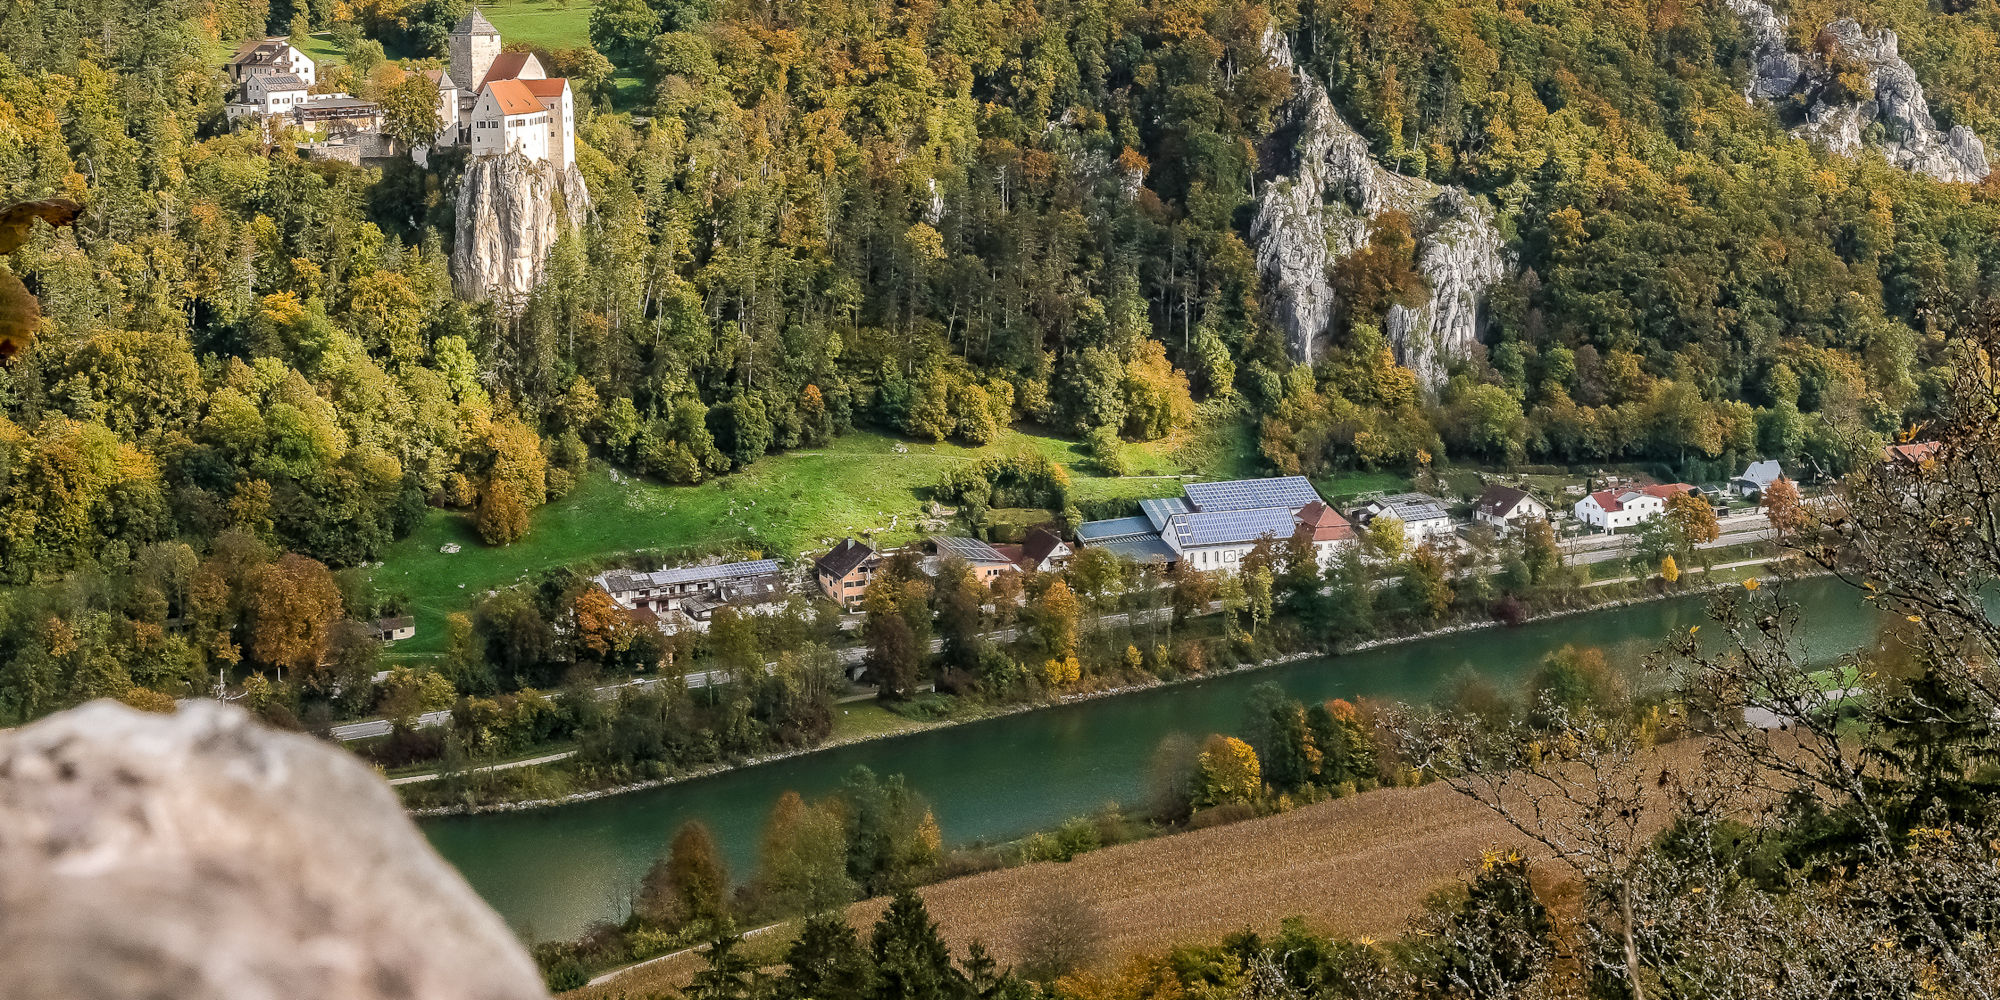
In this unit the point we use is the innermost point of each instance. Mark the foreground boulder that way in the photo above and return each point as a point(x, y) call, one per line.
point(200, 855)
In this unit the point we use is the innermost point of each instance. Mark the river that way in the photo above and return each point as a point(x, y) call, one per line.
point(552, 872)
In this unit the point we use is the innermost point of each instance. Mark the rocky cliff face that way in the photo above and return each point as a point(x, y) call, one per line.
point(510, 212)
point(202, 857)
point(1907, 135)
point(1317, 210)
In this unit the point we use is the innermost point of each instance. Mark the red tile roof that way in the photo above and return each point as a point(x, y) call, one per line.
point(508, 66)
point(513, 98)
point(549, 89)
point(1609, 499)
point(1326, 523)
point(1912, 452)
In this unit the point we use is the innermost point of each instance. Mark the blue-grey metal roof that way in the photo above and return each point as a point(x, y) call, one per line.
point(1140, 548)
point(1289, 492)
point(969, 549)
point(1098, 531)
point(1231, 527)
point(1411, 507)
point(720, 571)
point(1160, 511)
point(1763, 473)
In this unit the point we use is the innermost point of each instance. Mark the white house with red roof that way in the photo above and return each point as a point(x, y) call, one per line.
point(1626, 506)
point(506, 101)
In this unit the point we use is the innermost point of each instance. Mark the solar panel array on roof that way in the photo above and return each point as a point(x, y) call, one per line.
point(722, 571)
point(968, 549)
point(1413, 507)
point(1288, 492)
point(1228, 527)
point(1098, 532)
point(1160, 511)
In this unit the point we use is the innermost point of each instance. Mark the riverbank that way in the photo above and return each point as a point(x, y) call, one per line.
point(1353, 867)
point(988, 713)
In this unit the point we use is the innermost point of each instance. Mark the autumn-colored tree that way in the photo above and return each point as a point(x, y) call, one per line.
point(1228, 772)
point(293, 605)
point(1670, 571)
point(1056, 620)
point(1785, 509)
point(1693, 517)
point(602, 627)
point(689, 885)
point(502, 517)
point(1058, 671)
point(802, 865)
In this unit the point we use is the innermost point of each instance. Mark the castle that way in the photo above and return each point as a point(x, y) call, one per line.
point(499, 102)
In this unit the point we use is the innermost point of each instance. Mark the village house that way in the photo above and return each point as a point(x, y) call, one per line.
point(1507, 507)
point(1757, 478)
point(1330, 531)
point(986, 562)
point(1424, 516)
point(1043, 551)
point(1214, 525)
point(1626, 506)
point(665, 590)
point(845, 573)
point(393, 629)
point(271, 57)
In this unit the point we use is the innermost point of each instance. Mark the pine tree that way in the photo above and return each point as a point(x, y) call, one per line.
point(729, 975)
point(911, 959)
point(827, 962)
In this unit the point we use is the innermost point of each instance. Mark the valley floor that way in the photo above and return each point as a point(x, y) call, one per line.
point(1357, 867)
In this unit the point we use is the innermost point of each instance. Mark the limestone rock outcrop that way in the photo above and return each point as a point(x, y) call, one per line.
point(510, 211)
point(201, 856)
point(1896, 119)
point(1316, 210)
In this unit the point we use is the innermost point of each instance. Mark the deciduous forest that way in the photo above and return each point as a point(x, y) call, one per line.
point(937, 218)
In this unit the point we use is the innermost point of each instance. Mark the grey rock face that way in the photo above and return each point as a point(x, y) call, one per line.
point(1909, 136)
point(510, 212)
point(200, 856)
point(1318, 213)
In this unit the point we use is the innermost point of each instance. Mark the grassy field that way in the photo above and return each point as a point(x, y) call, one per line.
point(783, 506)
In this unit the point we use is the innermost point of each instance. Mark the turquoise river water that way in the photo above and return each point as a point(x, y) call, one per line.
point(552, 872)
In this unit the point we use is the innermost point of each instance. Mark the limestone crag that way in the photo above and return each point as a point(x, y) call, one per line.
point(1459, 259)
point(1896, 119)
point(511, 209)
point(1317, 211)
point(201, 856)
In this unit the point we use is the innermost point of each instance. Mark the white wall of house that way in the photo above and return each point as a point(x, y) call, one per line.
point(494, 133)
point(1636, 510)
point(1527, 510)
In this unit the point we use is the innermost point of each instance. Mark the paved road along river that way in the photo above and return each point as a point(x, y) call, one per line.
point(552, 872)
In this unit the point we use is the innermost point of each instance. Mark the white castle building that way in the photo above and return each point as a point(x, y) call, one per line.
point(499, 102)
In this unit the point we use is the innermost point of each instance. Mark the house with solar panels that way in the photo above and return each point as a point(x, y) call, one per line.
point(1214, 525)
point(692, 594)
point(1424, 516)
point(987, 562)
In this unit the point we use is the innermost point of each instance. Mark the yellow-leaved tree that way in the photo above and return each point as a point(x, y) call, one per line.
point(1228, 772)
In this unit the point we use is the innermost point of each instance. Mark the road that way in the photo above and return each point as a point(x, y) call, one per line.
point(370, 728)
point(411, 779)
point(1736, 530)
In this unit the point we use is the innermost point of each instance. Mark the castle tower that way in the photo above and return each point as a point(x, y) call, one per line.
point(475, 43)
